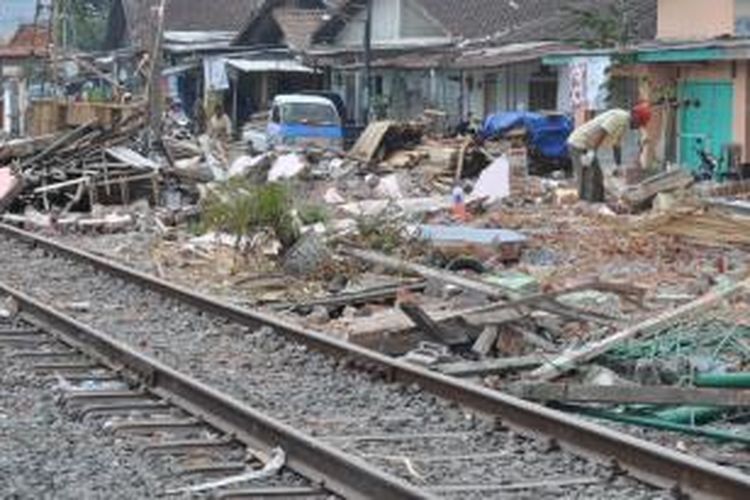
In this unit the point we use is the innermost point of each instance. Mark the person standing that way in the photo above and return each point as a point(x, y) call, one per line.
point(220, 125)
point(220, 131)
point(605, 130)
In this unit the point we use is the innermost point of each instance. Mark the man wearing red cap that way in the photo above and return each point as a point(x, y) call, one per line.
point(606, 129)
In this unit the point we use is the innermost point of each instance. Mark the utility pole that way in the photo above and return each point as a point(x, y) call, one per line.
point(153, 87)
point(47, 13)
point(367, 44)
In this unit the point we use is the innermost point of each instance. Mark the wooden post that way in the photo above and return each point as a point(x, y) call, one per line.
point(153, 90)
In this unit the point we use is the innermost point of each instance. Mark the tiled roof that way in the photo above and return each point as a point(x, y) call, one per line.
point(641, 16)
point(28, 40)
point(522, 20)
point(209, 15)
point(30, 35)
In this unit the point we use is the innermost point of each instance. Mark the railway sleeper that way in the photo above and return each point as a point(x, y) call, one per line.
point(273, 492)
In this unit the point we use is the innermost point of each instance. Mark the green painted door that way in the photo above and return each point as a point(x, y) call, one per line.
point(707, 117)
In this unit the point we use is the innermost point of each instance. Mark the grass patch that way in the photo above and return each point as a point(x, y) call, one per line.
point(241, 209)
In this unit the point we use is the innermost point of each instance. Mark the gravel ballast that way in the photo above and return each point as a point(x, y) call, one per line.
point(351, 409)
point(44, 453)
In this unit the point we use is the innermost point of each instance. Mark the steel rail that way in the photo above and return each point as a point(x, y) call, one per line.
point(649, 462)
point(340, 473)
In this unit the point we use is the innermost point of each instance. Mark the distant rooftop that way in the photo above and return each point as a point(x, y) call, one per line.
point(14, 13)
point(27, 41)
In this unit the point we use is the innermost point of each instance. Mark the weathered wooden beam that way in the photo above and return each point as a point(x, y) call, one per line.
point(394, 321)
point(61, 141)
point(486, 341)
point(494, 292)
point(127, 179)
point(532, 338)
point(551, 305)
point(638, 195)
point(529, 485)
point(426, 324)
point(61, 185)
point(374, 294)
point(489, 366)
point(569, 360)
point(625, 394)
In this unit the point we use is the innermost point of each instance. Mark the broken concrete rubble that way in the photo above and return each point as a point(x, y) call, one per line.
point(496, 295)
point(637, 197)
point(286, 167)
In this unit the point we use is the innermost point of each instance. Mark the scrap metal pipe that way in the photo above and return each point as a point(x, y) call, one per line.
point(739, 380)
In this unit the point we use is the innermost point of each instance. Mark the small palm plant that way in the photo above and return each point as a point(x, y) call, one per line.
point(242, 209)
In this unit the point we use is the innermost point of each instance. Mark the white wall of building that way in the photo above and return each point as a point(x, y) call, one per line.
point(394, 21)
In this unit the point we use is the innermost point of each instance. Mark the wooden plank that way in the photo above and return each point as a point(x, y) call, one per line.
point(414, 437)
point(488, 367)
point(126, 179)
point(377, 258)
point(429, 326)
point(486, 341)
point(281, 492)
point(61, 141)
point(574, 313)
point(395, 321)
point(656, 395)
point(529, 485)
point(369, 142)
point(131, 158)
point(60, 185)
point(640, 194)
point(462, 159)
point(569, 360)
point(374, 294)
point(492, 291)
point(25, 146)
point(532, 338)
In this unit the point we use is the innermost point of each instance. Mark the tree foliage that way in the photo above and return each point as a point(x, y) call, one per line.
point(609, 27)
point(83, 23)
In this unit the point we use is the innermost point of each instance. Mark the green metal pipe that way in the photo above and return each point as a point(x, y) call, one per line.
point(664, 425)
point(691, 415)
point(738, 380)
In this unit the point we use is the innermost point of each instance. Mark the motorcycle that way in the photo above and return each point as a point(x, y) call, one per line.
point(709, 165)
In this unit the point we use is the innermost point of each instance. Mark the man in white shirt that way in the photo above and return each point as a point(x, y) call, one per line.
point(607, 129)
point(220, 132)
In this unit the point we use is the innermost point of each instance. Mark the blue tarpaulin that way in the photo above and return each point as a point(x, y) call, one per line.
point(548, 134)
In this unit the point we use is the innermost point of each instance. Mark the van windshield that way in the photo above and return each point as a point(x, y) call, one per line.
point(307, 113)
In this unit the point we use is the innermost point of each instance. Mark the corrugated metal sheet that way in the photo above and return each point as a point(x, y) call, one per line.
point(269, 65)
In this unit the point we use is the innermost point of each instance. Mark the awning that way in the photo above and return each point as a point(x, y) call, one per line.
point(182, 68)
point(269, 65)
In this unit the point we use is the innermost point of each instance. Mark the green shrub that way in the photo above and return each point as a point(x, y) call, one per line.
point(240, 208)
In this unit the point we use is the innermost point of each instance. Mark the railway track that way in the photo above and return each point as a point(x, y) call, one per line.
point(186, 453)
point(358, 423)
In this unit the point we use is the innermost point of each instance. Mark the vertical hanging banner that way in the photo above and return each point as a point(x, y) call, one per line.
point(215, 73)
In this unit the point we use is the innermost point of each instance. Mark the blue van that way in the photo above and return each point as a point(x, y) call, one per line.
point(303, 121)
